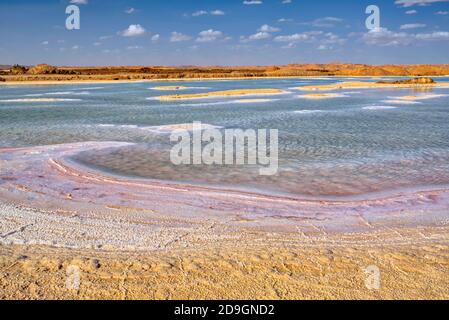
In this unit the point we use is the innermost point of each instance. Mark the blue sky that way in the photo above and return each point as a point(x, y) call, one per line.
point(226, 32)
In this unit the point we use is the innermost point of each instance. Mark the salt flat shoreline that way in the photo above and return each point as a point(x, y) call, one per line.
point(39, 188)
point(176, 242)
point(182, 262)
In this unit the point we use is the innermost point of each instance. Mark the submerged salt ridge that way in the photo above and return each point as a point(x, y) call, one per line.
point(28, 100)
point(360, 142)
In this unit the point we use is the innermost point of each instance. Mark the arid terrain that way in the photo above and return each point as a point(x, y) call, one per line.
point(131, 239)
point(313, 270)
point(45, 72)
point(248, 150)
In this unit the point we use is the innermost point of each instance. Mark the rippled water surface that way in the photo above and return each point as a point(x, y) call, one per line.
point(362, 141)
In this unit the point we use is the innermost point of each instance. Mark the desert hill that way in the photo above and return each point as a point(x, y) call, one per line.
point(43, 72)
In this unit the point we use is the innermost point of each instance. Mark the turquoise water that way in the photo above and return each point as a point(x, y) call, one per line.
point(362, 142)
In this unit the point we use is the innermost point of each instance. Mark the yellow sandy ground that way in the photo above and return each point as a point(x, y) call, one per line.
point(315, 271)
point(421, 97)
point(226, 93)
point(368, 85)
point(320, 95)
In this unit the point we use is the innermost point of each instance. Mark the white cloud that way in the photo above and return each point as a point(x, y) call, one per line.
point(291, 45)
point(79, 1)
point(134, 30)
point(285, 20)
point(326, 40)
point(412, 26)
point(255, 37)
point(155, 38)
point(269, 29)
point(178, 37)
point(217, 13)
point(297, 37)
point(130, 11)
point(286, 1)
point(411, 3)
point(384, 37)
point(259, 36)
point(442, 13)
point(75, 47)
point(411, 12)
point(331, 38)
point(133, 48)
point(264, 32)
point(205, 13)
point(252, 2)
point(45, 43)
point(434, 36)
point(209, 35)
point(199, 13)
point(326, 22)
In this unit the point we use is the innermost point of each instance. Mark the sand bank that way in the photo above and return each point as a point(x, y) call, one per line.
point(369, 85)
point(421, 97)
point(318, 96)
point(226, 93)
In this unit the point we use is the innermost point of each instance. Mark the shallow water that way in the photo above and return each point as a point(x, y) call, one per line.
point(364, 141)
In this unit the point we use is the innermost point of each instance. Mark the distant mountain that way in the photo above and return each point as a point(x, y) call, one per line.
point(5, 67)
